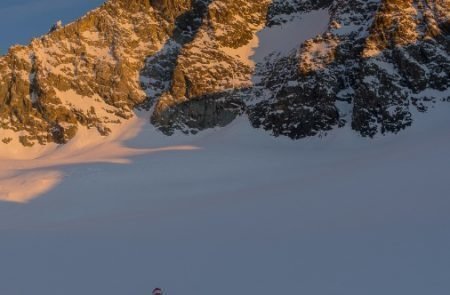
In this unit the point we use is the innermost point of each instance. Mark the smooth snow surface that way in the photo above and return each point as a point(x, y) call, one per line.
point(282, 39)
point(239, 210)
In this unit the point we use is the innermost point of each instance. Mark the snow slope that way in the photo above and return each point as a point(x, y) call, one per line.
point(283, 39)
point(243, 211)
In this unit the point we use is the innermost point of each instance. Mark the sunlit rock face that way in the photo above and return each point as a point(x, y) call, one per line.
point(197, 64)
point(84, 74)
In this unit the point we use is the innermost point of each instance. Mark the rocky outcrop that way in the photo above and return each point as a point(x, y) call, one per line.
point(377, 59)
point(405, 64)
point(83, 74)
point(207, 69)
point(331, 81)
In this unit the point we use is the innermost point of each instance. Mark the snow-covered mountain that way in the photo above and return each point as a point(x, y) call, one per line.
point(296, 68)
point(121, 208)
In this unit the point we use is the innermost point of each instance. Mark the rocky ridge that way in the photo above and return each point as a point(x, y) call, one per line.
point(190, 63)
point(374, 65)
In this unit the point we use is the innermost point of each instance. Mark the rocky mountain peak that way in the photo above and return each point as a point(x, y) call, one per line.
point(196, 65)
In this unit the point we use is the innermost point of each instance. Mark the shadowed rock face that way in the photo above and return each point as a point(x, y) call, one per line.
point(172, 8)
point(190, 62)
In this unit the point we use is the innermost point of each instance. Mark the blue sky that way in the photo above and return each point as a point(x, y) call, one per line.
point(21, 20)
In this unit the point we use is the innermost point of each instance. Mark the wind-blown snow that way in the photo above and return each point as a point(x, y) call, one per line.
point(26, 173)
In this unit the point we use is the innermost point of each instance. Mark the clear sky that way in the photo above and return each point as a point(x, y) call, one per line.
point(21, 20)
